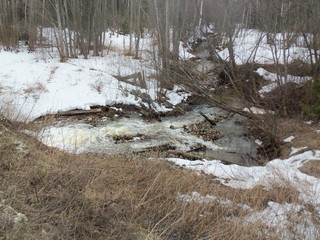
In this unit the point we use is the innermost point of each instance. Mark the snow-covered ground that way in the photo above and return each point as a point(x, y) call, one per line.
point(252, 46)
point(36, 84)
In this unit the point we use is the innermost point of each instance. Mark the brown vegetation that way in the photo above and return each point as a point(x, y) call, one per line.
point(305, 135)
point(106, 197)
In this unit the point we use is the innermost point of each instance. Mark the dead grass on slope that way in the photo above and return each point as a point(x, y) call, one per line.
point(67, 196)
point(305, 135)
point(311, 168)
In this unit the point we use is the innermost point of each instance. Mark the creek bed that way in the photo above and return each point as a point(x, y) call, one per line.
point(133, 134)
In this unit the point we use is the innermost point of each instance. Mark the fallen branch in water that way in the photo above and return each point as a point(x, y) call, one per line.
point(208, 119)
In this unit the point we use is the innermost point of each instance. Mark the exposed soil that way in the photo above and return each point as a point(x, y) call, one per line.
point(305, 135)
point(311, 168)
point(306, 138)
point(262, 130)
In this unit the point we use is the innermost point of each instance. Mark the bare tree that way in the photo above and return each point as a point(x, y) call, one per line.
point(9, 27)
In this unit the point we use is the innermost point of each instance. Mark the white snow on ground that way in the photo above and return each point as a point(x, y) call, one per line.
point(9, 214)
point(251, 46)
point(276, 80)
point(275, 77)
point(288, 139)
point(256, 110)
point(296, 150)
point(196, 197)
point(258, 141)
point(276, 171)
point(290, 220)
point(36, 84)
point(36, 87)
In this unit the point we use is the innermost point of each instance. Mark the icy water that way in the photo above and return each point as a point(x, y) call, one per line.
point(133, 134)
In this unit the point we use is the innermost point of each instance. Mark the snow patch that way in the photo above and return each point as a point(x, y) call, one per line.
point(295, 150)
point(196, 197)
point(276, 79)
point(276, 171)
point(291, 221)
point(289, 139)
point(256, 110)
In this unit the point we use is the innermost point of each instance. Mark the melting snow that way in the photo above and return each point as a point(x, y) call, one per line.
point(276, 171)
point(35, 84)
point(288, 139)
point(291, 221)
point(252, 46)
point(296, 150)
point(276, 79)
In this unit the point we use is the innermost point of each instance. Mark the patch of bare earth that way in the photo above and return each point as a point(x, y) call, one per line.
point(305, 135)
point(306, 138)
point(311, 168)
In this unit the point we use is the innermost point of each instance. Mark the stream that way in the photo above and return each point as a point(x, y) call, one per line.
point(190, 133)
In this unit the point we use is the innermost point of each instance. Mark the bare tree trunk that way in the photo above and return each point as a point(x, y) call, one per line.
point(130, 26)
point(166, 42)
point(59, 34)
point(32, 30)
point(137, 29)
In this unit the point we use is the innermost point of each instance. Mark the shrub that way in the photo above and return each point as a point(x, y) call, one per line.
point(311, 104)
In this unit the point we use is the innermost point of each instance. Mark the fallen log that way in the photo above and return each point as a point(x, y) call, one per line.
point(79, 112)
point(212, 123)
point(136, 79)
point(187, 155)
point(158, 148)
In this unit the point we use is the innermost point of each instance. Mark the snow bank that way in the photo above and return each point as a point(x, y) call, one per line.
point(252, 46)
point(276, 171)
point(276, 79)
point(35, 84)
point(290, 220)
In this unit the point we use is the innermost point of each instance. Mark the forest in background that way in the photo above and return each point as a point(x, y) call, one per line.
point(81, 25)
point(46, 193)
point(79, 28)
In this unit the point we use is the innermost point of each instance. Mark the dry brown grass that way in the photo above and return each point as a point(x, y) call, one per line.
point(66, 196)
point(305, 134)
point(311, 168)
point(35, 91)
point(97, 86)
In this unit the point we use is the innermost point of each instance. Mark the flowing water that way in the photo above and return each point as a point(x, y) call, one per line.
point(133, 134)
